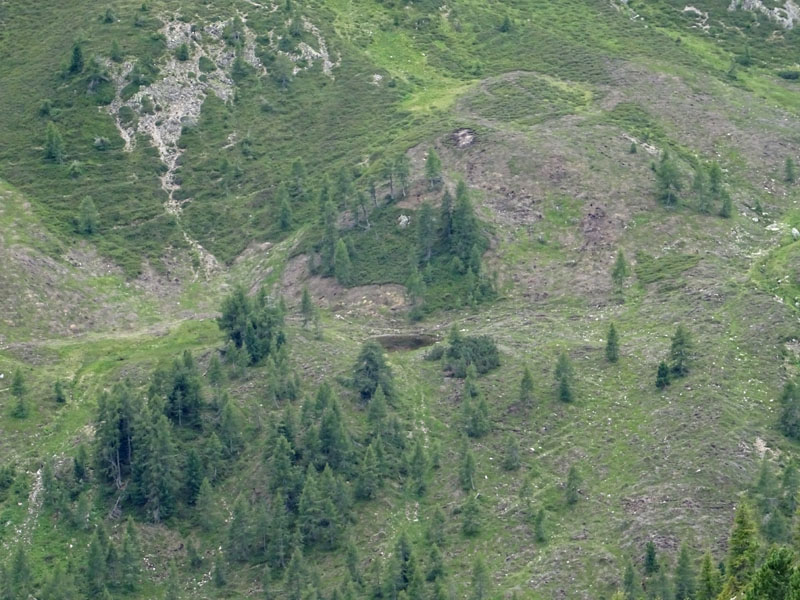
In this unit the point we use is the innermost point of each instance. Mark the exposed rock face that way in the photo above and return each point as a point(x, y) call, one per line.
point(786, 16)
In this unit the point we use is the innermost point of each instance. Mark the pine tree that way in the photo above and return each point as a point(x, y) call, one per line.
point(130, 557)
point(464, 235)
point(19, 391)
point(789, 171)
point(284, 208)
point(182, 52)
point(54, 144)
point(238, 547)
point(343, 268)
point(159, 470)
point(466, 473)
point(471, 517)
point(96, 565)
point(511, 458)
point(206, 507)
point(418, 468)
point(306, 307)
point(572, 487)
point(668, 181)
point(231, 423)
point(708, 585)
point(433, 169)
point(330, 237)
point(371, 371)
point(727, 206)
point(194, 475)
point(526, 388)
point(563, 374)
point(612, 344)
point(446, 218)
point(539, 531)
point(59, 395)
point(651, 565)
point(680, 352)
point(662, 375)
point(480, 580)
point(742, 552)
point(631, 588)
point(436, 568)
point(619, 272)
point(76, 59)
point(774, 578)
point(80, 464)
point(685, 584)
point(426, 232)
point(295, 576)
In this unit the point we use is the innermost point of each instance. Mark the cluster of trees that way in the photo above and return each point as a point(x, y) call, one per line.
point(677, 363)
point(254, 326)
point(750, 570)
point(707, 187)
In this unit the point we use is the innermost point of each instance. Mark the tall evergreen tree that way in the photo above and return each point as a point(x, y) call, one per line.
point(306, 307)
point(651, 564)
point(446, 218)
point(773, 579)
point(158, 473)
point(612, 344)
point(572, 487)
point(285, 219)
point(418, 466)
point(54, 144)
point(619, 272)
point(668, 180)
point(465, 234)
point(480, 580)
point(684, 584)
point(789, 171)
point(662, 375)
point(96, 565)
point(426, 232)
point(130, 558)
point(371, 371)
point(471, 516)
point(402, 172)
point(680, 352)
point(742, 552)
point(511, 458)
point(238, 546)
point(19, 392)
point(433, 169)
point(631, 587)
point(342, 267)
point(526, 388)
point(708, 586)
point(790, 410)
point(466, 473)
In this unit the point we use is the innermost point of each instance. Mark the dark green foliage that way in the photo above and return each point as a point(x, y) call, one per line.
point(88, 219)
point(505, 26)
point(742, 551)
point(76, 59)
point(180, 385)
point(418, 467)
point(680, 352)
point(253, 324)
point(130, 558)
point(220, 574)
point(54, 144)
point(182, 52)
point(668, 180)
point(708, 585)
point(631, 587)
point(776, 578)
point(433, 169)
point(662, 375)
point(426, 231)
point(371, 371)
point(285, 220)
point(612, 344)
point(651, 565)
point(80, 464)
point(480, 582)
point(526, 388)
point(59, 395)
point(471, 516)
point(789, 171)
point(539, 531)
point(619, 272)
point(572, 491)
point(563, 374)
point(511, 454)
point(684, 581)
point(466, 472)
point(726, 209)
point(478, 351)
point(342, 267)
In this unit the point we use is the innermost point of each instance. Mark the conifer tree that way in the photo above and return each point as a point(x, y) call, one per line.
point(563, 374)
point(130, 557)
point(612, 344)
point(742, 552)
point(572, 487)
point(54, 144)
point(668, 180)
point(330, 237)
point(295, 576)
point(511, 458)
point(685, 584)
point(466, 473)
point(631, 588)
point(480, 580)
point(434, 533)
point(465, 234)
point(159, 474)
point(342, 267)
point(59, 395)
point(19, 391)
point(790, 410)
point(231, 423)
point(526, 388)
point(116, 52)
point(619, 273)
point(433, 169)
point(715, 179)
point(426, 232)
point(435, 564)
point(789, 171)
point(238, 547)
point(402, 171)
point(284, 208)
point(207, 514)
point(418, 467)
point(446, 218)
point(306, 307)
point(371, 371)
point(662, 375)
point(727, 206)
point(708, 584)
point(220, 575)
point(471, 517)
point(680, 352)
point(80, 464)
point(651, 565)
point(701, 191)
point(775, 578)
point(539, 531)
point(96, 565)
point(76, 59)
point(194, 475)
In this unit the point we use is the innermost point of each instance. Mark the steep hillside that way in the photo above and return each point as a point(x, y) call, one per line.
point(219, 219)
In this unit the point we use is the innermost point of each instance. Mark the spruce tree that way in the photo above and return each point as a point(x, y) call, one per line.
point(511, 454)
point(471, 516)
point(775, 578)
point(418, 467)
point(651, 565)
point(572, 487)
point(612, 344)
point(619, 272)
point(789, 171)
point(96, 565)
point(54, 144)
point(220, 573)
point(76, 59)
point(130, 557)
point(466, 473)
point(238, 546)
point(306, 307)
point(19, 391)
point(480, 580)
point(59, 395)
point(662, 375)
point(708, 585)
point(402, 171)
point(668, 180)
point(433, 169)
point(790, 410)
point(426, 232)
point(631, 587)
point(539, 531)
point(680, 352)
point(206, 507)
point(342, 267)
point(742, 552)
point(295, 576)
point(685, 584)
point(279, 540)
point(434, 533)
point(284, 208)
point(726, 209)
point(446, 218)
point(371, 371)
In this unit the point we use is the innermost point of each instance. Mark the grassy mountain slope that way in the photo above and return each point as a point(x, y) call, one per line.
point(554, 101)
